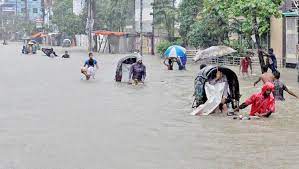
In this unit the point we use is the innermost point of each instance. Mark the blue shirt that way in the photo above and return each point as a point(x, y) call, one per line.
point(90, 63)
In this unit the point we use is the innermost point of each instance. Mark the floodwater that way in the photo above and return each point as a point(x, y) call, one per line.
point(50, 118)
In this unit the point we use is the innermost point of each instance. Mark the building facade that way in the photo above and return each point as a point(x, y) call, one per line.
point(147, 18)
point(48, 11)
point(284, 33)
point(34, 8)
point(78, 6)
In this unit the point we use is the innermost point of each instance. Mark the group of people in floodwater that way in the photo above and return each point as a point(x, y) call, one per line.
point(262, 103)
point(137, 72)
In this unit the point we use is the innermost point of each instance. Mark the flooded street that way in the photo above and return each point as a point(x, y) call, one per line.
point(50, 118)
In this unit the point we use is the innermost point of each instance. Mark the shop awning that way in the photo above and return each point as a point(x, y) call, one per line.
point(290, 14)
point(109, 33)
point(39, 35)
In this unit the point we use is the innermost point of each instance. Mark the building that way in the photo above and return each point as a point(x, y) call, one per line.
point(147, 18)
point(8, 7)
point(34, 8)
point(48, 11)
point(78, 6)
point(284, 37)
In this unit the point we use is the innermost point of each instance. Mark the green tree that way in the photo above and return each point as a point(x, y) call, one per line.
point(188, 12)
point(165, 16)
point(112, 15)
point(65, 19)
point(256, 14)
point(212, 25)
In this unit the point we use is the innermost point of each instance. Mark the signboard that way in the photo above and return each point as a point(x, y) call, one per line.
point(39, 25)
point(39, 20)
point(8, 9)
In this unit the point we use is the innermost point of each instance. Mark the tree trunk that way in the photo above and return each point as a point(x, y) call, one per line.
point(258, 42)
point(167, 23)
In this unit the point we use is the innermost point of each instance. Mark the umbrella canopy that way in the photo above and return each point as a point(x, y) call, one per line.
point(213, 52)
point(176, 51)
point(30, 43)
point(33, 41)
point(66, 41)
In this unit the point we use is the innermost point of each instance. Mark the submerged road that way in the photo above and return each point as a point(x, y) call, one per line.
point(50, 119)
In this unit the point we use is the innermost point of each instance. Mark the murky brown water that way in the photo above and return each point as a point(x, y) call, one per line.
point(50, 118)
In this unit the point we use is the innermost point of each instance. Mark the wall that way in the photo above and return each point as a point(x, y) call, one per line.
point(276, 35)
point(32, 5)
point(78, 6)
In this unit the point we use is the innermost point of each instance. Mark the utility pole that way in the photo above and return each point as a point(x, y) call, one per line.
point(43, 13)
point(16, 7)
point(173, 21)
point(90, 22)
point(141, 27)
point(26, 10)
point(153, 31)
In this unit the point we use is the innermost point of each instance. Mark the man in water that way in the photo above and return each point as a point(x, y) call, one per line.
point(245, 64)
point(170, 63)
point(221, 78)
point(262, 104)
point(271, 60)
point(181, 66)
point(137, 72)
point(89, 67)
point(265, 77)
point(66, 55)
point(280, 87)
point(4, 42)
point(49, 52)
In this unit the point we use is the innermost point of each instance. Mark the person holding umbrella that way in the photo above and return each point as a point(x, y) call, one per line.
point(177, 54)
point(170, 63)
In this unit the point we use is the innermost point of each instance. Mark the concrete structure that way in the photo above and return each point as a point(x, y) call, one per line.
point(78, 6)
point(284, 34)
point(17, 7)
point(48, 8)
point(147, 18)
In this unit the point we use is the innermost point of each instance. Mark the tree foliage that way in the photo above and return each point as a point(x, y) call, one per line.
point(163, 45)
point(165, 16)
point(113, 15)
point(65, 19)
point(16, 24)
point(219, 18)
point(212, 26)
point(256, 14)
point(188, 12)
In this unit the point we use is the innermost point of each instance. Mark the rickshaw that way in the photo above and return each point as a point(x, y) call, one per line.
point(123, 68)
point(29, 47)
point(208, 73)
point(66, 43)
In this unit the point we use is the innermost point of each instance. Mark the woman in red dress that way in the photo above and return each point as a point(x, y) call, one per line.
point(245, 63)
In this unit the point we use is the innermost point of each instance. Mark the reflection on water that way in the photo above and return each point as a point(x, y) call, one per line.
point(50, 118)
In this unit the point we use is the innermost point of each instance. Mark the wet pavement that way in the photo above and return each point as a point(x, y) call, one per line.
point(50, 118)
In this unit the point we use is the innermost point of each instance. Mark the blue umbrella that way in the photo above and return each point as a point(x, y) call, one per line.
point(178, 52)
